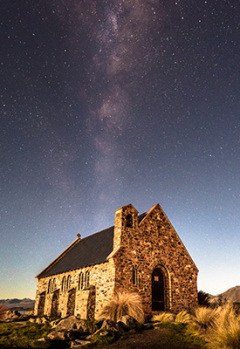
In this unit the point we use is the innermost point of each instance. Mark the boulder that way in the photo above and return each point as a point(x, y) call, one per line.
point(54, 323)
point(58, 335)
point(11, 315)
point(41, 320)
point(109, 325)
point(33, 320)
point(104, 336)
point(122, 327)
point(129, 321)
point(43, 342)
point(72, 323)
point(79, 343)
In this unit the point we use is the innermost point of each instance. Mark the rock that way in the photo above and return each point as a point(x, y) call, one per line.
point(109, 325)
point(129, 321)
point(148, 326)
point(41, 320)
point(104, 336)
point(55, 335)
point(54, 323)
point(44, 320)
point(43, 342)
point(72, 323)
point(121, 327)
point(79, 343)
point(11, 315)
point(33, 320)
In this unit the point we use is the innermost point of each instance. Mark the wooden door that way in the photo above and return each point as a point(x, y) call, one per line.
point(157, 290)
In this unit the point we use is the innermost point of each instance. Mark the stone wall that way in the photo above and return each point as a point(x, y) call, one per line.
point(142, 247)
point(154, 243)
point(101, 280)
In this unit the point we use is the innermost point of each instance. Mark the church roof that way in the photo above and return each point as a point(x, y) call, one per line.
point(93, 249)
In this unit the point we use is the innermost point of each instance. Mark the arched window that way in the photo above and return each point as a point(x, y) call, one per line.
point(81, 281)
point(64, 284)
point(87, 279)
point(50, 286)
point(129, 221)
point(68, 282)
point(135, 277)
point(53, 285)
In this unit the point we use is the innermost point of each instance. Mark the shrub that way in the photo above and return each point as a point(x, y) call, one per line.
point(226, 330)
point(183, 317)
point(203, 299)
point(3, 310)
point(123, 303)
point(163, 317)
point(203, 318)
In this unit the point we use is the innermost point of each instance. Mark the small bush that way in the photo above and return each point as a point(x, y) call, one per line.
point(163, 317)
point(183, 317)
point(123, 304)
point(203, 318)
point(203, 299)
point(226, 330)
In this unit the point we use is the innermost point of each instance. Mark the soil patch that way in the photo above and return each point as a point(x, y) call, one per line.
point(158, 338)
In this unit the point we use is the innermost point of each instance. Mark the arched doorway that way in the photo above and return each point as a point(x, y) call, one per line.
point(158, 290)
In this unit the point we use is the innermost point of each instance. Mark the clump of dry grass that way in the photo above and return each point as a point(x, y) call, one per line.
point(226, 330)
point(183, 317)
point(122, 304)
point(3, 310)
point(163, 317)
point(203, 319)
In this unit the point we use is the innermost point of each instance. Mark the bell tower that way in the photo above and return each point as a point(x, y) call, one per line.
point(126, 222)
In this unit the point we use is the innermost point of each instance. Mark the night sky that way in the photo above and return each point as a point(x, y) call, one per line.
point(106, 103)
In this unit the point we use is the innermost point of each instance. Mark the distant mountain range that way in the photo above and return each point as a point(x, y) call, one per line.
point(233, 295)
point(15, 303)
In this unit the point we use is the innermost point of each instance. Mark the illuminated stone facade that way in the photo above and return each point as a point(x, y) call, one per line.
point(147, 257)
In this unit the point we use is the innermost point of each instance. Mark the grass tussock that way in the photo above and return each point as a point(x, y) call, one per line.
point(226, 330)
point(183, 317)
point(218, 328)
point(163, 317)
point(203, 318)
point(122, 304)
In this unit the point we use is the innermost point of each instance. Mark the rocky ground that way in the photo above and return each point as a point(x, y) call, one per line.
point(127, 333)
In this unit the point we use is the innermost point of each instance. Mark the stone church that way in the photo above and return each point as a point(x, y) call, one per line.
point(140, 253)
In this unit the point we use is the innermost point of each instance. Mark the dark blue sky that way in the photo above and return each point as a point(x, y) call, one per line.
point(105, 103)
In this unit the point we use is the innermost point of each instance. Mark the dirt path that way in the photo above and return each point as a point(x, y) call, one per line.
point(150, 339)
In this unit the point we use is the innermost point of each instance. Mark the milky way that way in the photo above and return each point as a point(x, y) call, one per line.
point(105, 103)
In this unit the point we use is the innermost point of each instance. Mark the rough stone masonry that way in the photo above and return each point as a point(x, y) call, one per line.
point(140, 253)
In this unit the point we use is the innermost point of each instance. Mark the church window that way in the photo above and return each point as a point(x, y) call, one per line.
point(68, 282)
point(64, 284)
point(53, 285)
point(135, 277)
point(49, 286)
point(129, 221)
point(81, 281)
point(87, 279)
